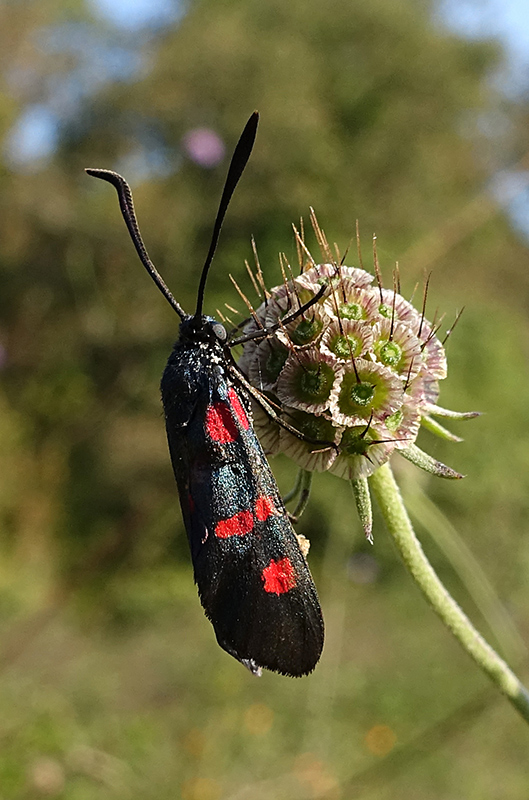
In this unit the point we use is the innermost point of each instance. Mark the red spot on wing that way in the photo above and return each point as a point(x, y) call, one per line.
point(239, 410)
point(264, 508)
point(220, 424)
point(279, 576)
point(191, 503)
point(238, 525)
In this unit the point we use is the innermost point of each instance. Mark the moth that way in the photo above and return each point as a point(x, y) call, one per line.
point(253, 580)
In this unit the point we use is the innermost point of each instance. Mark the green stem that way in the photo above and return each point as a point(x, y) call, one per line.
point(395, 515)
point(362, 497)
point(305, 482)
point(293, 493)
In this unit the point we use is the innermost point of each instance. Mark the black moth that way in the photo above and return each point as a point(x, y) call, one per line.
point(253, 581)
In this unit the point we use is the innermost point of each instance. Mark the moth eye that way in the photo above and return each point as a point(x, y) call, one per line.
point(220, 331)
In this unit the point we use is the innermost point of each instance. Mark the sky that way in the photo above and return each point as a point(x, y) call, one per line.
point(506, 19)
point(35, 135)
point(135, 14)
point(509, 21)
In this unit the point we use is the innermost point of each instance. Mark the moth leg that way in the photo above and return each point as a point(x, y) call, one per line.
point(281, 323)
point(268, 409)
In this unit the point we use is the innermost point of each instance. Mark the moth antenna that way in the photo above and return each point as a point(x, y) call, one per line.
point(253, 280)
point(233, 310)
point(238, 163)
point(126, 205)
point(454, 323)
point(376, 265)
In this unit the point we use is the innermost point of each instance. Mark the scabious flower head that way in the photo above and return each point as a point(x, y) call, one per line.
point(306, 381)
point(352, 376)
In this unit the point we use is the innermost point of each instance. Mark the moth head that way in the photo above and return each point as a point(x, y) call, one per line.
point(203, 329)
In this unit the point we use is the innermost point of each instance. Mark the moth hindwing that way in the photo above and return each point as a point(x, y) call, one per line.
point(253, 581)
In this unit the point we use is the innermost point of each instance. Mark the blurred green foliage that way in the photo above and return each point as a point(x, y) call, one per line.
point(112, 683)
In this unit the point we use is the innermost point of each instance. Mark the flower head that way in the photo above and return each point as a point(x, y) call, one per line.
point(306, 381)
point(353, 370)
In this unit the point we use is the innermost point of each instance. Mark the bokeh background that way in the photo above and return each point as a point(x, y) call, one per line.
point(410, 115)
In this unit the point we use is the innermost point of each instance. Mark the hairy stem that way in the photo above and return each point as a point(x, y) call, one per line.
point(305, 482)
point(390, 501)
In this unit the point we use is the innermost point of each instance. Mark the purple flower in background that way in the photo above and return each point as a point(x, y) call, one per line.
point(204, 147)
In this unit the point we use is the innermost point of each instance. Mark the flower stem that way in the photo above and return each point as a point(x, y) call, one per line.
point(390, 501)
point(302, 488)
point(362, 497)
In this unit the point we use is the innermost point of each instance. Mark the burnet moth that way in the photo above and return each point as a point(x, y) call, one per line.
point(253, 580)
